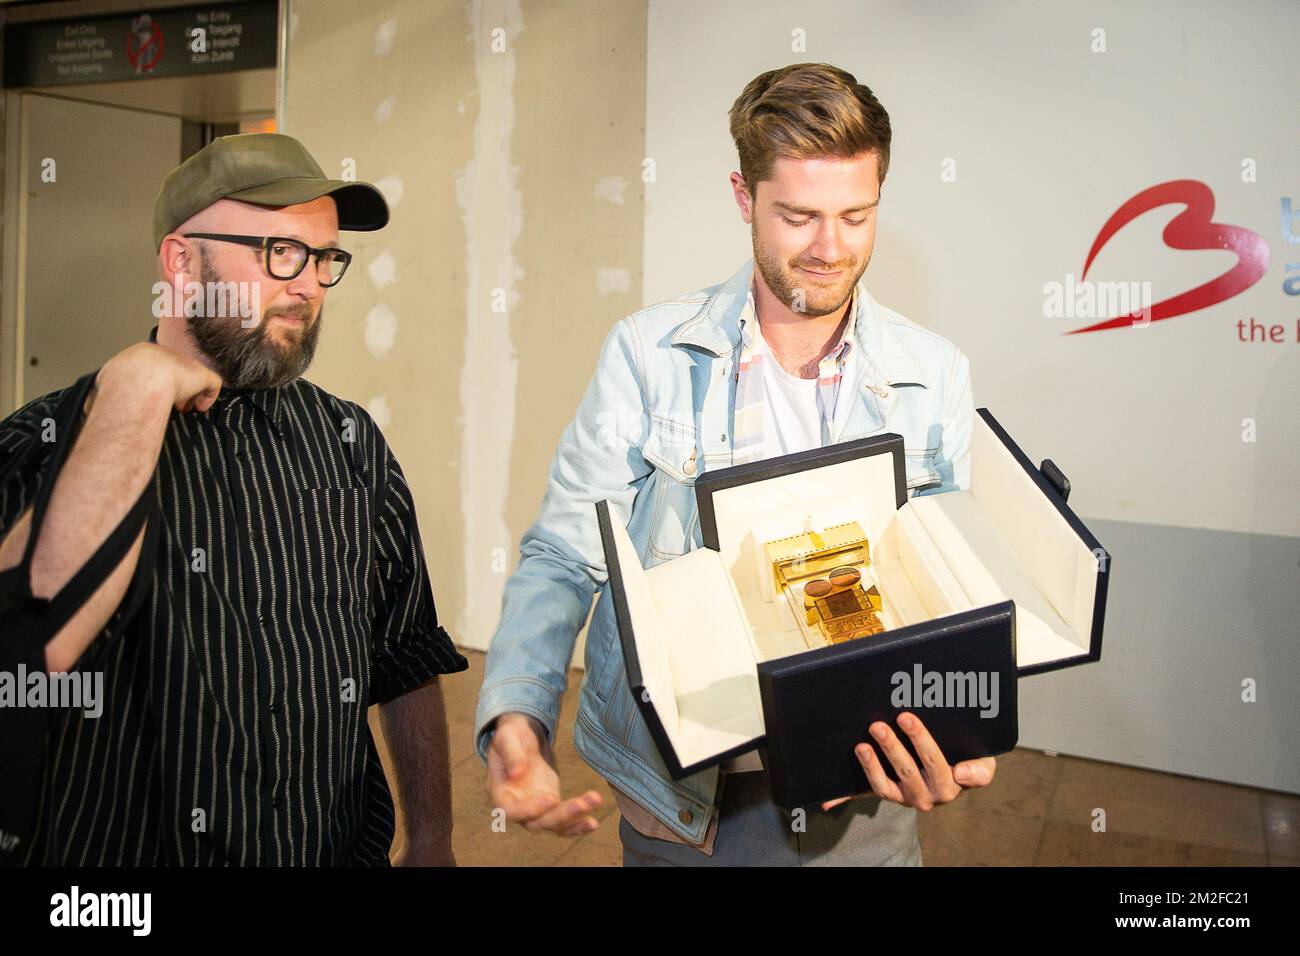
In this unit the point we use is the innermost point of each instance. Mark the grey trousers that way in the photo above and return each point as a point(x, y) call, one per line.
point(753, 831)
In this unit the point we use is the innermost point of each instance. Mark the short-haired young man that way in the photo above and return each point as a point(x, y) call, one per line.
point(791, 353)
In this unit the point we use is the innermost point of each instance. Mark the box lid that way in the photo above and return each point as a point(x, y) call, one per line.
point(1011, 535)
point(711, 711)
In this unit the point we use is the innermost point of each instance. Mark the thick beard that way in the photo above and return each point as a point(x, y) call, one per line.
point(780, 280)
point(250, 358)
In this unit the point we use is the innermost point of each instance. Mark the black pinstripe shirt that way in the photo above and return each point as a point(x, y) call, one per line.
point(286, 593)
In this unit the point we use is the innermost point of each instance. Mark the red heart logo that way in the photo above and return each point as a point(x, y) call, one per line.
point(1190, 229)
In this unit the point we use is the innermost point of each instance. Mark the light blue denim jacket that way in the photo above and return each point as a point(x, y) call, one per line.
point(656, 415)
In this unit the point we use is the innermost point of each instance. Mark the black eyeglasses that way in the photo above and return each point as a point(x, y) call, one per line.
point(286, 258)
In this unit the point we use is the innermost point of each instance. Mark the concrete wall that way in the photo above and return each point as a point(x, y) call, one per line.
point(507, 137)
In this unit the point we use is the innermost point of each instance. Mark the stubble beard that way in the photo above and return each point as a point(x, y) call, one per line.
point(785, 284)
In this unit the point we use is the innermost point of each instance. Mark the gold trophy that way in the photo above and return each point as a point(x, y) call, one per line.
point(822, 572)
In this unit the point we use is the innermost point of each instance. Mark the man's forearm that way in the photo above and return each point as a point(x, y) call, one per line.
point(103, 476)
point(415, 729)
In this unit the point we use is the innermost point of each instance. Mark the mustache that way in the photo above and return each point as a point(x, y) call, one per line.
point(298, 310)
point(823, 267)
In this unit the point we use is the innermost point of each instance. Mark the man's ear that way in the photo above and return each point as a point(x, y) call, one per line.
point(744, 198)
point(176, 257)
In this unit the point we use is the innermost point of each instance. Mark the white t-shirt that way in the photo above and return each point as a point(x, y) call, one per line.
point(791, 420)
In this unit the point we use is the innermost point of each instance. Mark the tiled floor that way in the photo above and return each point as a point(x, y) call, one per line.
point(1039, 811)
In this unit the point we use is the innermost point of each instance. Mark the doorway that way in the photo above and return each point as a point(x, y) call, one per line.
point(82, 167)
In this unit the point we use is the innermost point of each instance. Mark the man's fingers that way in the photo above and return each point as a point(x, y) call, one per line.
point(976, 773)
point(935, 766)
point(568, 814)
point(581, 828)
point(880, 784)
point(832, 804)
point(523, 808)
point(208, 397)
point(571, 812)
point(909, 775)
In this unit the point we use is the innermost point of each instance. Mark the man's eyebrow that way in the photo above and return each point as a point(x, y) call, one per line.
point(805, 211)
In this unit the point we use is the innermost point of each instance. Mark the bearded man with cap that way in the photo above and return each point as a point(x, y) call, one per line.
point(231, 552)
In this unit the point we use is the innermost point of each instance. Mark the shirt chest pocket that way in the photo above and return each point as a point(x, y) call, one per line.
point(334, 546)
point(672, 449)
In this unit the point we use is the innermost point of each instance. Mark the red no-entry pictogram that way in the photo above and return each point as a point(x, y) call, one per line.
point(144, 44)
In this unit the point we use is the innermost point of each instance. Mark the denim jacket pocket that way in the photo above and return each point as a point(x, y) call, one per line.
point(673, 449)
point(604, 653)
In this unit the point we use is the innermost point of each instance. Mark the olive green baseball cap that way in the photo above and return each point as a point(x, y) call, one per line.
point(266, 169)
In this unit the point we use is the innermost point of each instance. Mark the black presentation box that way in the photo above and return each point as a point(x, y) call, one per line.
point(979, 587)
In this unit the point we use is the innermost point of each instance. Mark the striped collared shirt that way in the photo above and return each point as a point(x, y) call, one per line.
point(749, 442)
point(287, 592)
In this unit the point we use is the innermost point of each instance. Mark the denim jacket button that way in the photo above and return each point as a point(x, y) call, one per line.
point(685, 816)
point(688, 465)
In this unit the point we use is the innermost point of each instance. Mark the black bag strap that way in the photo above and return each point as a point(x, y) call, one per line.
point(66, 414)
point(67, 418)
point(88, 578)
point(15, 583)
point(28, 623)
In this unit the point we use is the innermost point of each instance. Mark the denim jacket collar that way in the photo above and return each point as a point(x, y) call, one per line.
point(716, 329)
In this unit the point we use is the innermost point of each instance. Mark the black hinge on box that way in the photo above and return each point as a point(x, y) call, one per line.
point(1056, 478)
